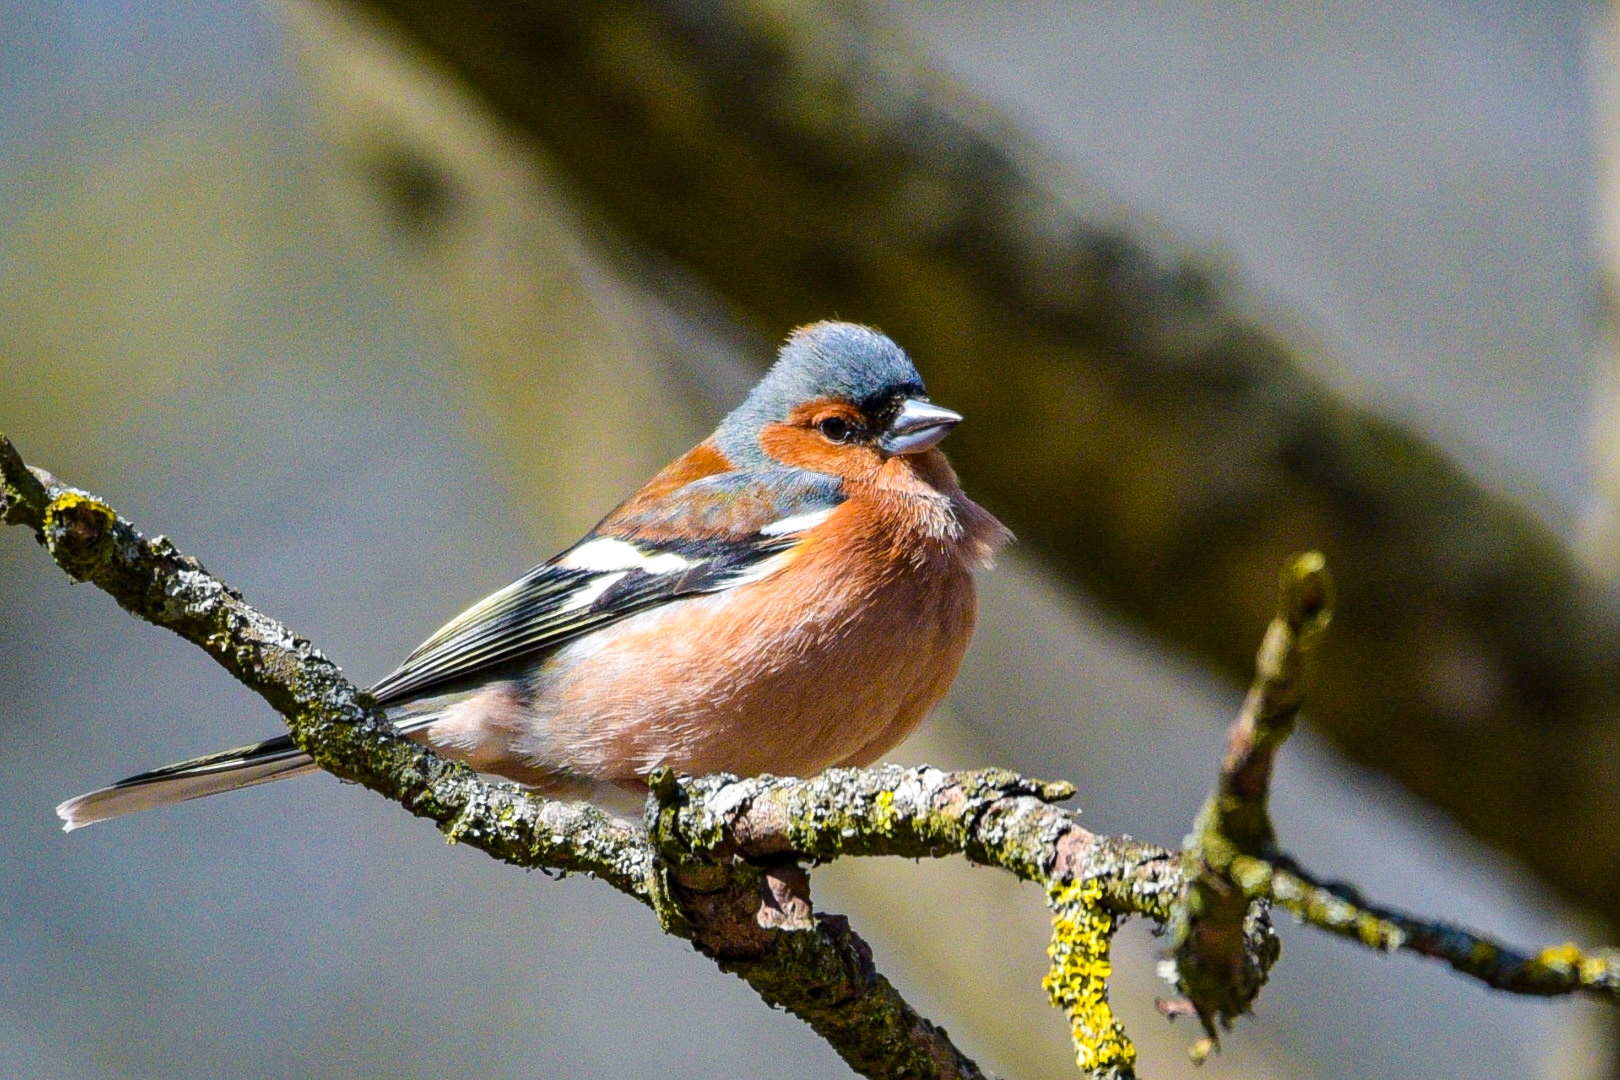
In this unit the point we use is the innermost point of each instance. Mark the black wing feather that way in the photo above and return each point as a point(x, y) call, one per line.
point(533, 613)
point(544, 608)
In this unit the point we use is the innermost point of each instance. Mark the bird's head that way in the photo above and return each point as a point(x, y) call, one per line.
point(840, 399)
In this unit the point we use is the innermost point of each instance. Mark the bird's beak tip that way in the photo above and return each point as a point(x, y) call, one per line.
point(918, 426)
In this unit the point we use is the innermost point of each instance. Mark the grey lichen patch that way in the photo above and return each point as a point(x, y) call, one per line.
point(993, 817)
point(1135, 878)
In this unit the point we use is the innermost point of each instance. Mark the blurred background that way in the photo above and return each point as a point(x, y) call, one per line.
point(372, 307)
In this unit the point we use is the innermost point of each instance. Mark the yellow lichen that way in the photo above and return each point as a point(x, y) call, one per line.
point(882, 812)
point(1593, 969)
point(68, 502)
point(1082, 932)
point(1560, 958)
point(74, 524)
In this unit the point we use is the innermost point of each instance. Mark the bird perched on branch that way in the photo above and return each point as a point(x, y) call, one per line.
point(793, 593)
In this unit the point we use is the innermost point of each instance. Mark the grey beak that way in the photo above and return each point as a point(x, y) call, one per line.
point(918, 426)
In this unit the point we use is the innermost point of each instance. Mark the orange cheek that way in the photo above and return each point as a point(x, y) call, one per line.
point(793, 445)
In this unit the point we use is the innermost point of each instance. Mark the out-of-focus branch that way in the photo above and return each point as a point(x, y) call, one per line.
point(1599, 538)
point(1124, 416)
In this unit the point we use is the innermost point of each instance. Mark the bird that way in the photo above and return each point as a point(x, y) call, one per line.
point(796, 592)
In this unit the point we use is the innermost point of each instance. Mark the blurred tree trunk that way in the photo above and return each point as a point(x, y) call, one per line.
point(1136, 430)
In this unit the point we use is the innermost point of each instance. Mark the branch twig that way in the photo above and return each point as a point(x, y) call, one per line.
point(1232, 860)
point(1340, 909)
point(1218, 935)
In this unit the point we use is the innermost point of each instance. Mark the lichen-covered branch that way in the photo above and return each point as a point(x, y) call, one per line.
point(1082, 939)
point(990, 816)
point(1215, 927)
point(330, 718)
point(1340, 909)
point(719, 860)
point(825, 975)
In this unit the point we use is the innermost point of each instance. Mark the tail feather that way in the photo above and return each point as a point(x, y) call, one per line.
point(225, 771)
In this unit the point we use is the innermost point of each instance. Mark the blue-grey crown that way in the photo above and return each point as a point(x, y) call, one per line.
point(839, 360)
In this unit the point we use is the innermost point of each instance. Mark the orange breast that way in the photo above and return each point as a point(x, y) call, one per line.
point(802, 670)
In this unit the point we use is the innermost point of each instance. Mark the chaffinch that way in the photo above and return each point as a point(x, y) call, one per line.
point(793, 593)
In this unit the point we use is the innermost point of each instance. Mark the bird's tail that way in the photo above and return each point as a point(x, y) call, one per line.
point(224, 771)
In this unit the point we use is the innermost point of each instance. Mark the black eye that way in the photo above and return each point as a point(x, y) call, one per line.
point(834, 428)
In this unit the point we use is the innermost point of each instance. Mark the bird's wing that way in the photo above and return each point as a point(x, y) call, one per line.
point(714, 534)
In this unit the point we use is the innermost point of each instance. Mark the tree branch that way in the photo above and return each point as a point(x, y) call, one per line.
point(993, 817)
point(824, 976)
point(1340, 909)
point(1214, 928)
point(330, 719)
point(718, 861)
